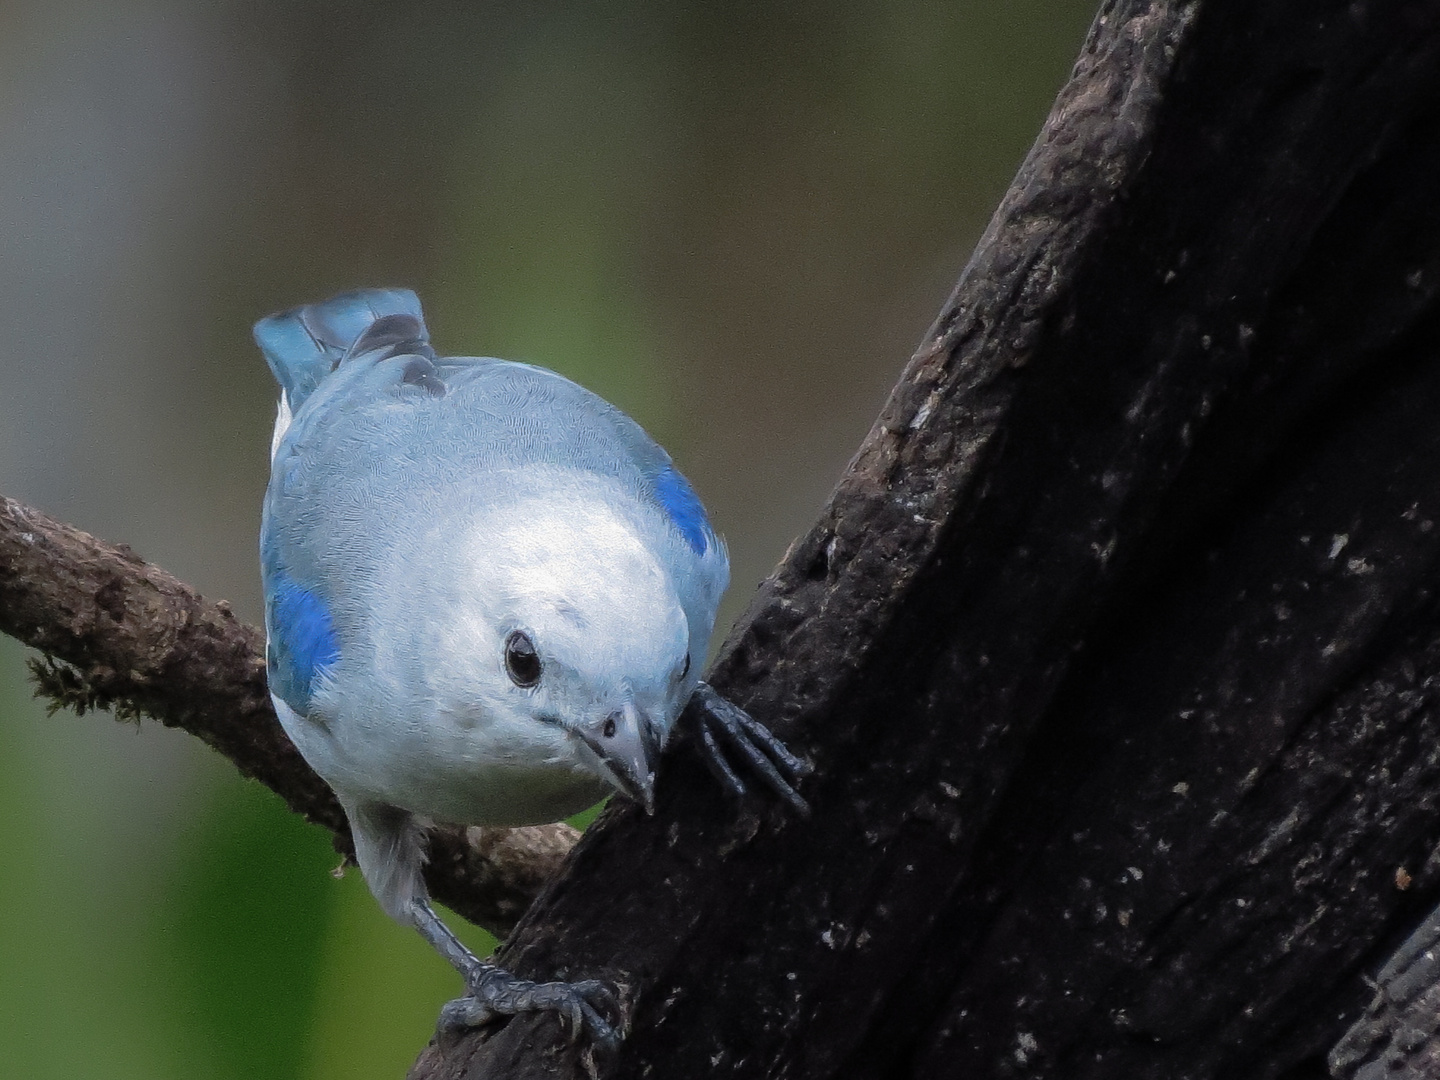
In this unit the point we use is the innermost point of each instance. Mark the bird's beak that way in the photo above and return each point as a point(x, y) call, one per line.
point(621, 740)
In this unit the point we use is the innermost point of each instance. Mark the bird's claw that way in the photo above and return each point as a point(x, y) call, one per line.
point(724, 728)
point(587, 1007)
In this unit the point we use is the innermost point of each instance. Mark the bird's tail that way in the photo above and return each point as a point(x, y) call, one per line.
point(304, 344)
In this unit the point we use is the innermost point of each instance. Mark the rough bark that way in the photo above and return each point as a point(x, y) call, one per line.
point(130, 637)
point(1397, 1036)
point(1118, 647)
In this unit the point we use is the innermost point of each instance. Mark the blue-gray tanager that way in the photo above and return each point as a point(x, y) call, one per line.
point(487, 596)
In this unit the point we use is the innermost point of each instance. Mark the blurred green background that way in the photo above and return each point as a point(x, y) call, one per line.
point(735, 221)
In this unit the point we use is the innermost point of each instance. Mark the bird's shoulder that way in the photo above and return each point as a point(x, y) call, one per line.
point(368, 432)
point(564, 423)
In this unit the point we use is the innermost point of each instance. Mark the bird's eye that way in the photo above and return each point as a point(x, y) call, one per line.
point(609, 730)
point(522, 662)
point(686, 669)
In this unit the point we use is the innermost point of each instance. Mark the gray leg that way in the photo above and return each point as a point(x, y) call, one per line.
point(491, 992)
point(389, 845)
point(723, 728)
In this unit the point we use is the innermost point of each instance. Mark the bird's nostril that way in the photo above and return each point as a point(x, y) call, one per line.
point(609, 729)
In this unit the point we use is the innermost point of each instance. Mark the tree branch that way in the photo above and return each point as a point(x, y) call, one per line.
point(125, 635)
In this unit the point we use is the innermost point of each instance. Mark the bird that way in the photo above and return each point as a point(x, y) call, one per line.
point(488, 593)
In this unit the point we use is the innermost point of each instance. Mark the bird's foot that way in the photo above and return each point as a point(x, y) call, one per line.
point(587, 1007)
point(723, 729)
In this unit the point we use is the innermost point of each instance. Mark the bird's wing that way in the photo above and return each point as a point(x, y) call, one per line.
point(303, 347)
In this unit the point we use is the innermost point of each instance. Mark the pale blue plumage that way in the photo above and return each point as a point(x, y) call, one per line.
point(488, 593)
point(375, 479)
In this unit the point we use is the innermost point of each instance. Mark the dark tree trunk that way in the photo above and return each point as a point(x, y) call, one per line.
point(1118, 647)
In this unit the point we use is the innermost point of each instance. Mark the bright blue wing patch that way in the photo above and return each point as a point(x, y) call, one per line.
point(682, 504)
point(302, 641)
point(304, 344)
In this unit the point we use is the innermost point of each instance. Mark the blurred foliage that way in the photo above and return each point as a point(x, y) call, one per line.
point(733, 220)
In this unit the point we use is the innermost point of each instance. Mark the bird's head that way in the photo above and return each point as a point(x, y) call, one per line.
point(587, 641)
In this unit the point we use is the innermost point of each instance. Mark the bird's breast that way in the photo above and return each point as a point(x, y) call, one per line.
point(446, 766)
